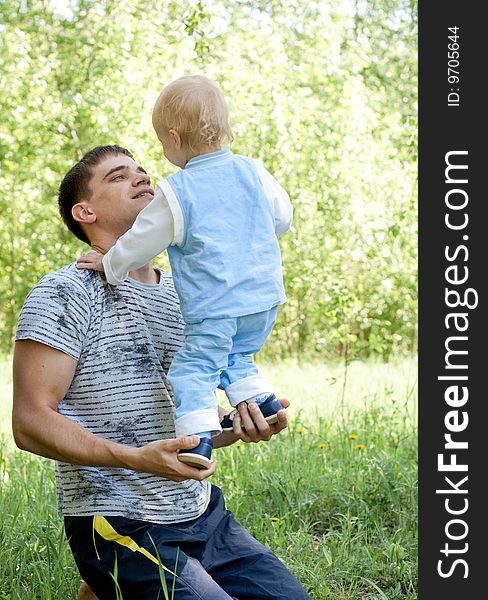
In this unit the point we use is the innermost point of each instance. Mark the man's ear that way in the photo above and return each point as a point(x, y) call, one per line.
point(176, 138)
point(83, 213)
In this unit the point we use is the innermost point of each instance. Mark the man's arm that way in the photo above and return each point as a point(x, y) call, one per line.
point(42, 376)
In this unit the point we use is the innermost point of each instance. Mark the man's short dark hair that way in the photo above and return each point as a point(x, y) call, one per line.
point(76, 185)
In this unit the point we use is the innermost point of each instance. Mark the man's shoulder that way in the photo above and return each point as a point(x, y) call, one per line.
point(70, 279)
point(57, 310)
point(69, 273)
point(89, 281)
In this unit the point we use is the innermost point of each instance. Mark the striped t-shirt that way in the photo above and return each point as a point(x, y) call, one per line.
point(124, 339)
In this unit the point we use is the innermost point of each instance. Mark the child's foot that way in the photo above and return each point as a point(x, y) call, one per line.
point(198, 457)
point(226, 422)
point(269, 406)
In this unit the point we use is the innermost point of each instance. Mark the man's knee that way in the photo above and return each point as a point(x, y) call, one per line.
point(195, 583)
point(85, 592)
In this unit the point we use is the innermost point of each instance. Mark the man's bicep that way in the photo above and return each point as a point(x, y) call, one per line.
point(42, 375)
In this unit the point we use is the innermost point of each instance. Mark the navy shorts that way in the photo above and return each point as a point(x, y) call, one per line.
point(209, 558)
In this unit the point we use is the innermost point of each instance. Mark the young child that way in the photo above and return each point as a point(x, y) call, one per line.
point(219, 218)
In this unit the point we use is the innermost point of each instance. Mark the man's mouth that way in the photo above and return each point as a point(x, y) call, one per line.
point(144, 194)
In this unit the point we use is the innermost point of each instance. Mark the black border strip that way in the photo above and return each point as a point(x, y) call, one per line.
point(452, 349)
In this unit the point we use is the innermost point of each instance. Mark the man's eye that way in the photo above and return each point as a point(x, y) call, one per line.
point(117, 177)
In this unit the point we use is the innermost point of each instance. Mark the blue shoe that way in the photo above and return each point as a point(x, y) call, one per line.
point(226, 422)
point(270, 407)
point(198, 457)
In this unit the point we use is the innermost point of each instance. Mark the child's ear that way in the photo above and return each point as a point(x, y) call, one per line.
point(83, 214)
point(175, 136)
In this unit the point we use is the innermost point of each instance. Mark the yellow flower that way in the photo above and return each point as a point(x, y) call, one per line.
point(322, 446)
point(275, 519)
point(359, 447)
point(353, 436)
point(300, 430)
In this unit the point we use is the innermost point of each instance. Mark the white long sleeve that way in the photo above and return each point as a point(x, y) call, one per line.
point(278, 199)
point(153, 231)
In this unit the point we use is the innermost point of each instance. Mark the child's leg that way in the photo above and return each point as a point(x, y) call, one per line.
point(241, 380)
point(195, 374)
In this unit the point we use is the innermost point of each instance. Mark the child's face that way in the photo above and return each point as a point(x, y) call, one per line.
point(172, 148)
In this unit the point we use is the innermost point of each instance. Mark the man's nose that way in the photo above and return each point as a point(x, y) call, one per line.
point(140, 178)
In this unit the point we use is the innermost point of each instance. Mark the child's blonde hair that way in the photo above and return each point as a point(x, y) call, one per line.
point(195, 107)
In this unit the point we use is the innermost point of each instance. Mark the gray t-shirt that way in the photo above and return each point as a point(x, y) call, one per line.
point(124, 339)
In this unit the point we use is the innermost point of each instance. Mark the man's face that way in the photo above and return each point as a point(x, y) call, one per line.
point(120, 190)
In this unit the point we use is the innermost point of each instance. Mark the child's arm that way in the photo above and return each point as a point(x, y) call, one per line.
point(278, 199)
point(157, 226)
point(151, 234)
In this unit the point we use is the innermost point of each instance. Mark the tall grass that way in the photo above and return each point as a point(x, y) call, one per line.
point(334, 496)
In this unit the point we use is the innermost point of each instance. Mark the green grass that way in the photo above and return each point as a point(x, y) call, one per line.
point(340, 512)
point(5, 396)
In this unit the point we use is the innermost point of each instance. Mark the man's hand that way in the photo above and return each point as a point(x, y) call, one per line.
point(249, 425)
point(92, 260)
point(161, 458)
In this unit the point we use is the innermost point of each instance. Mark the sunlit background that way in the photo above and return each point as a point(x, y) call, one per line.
point(323, 92)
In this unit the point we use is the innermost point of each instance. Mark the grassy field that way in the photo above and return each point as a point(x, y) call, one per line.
point(334, 496)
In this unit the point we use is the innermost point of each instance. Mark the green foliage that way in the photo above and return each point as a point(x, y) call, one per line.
point(324, 92)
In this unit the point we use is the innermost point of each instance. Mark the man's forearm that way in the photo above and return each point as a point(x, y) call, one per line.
point(54, 436)
point(226, 438)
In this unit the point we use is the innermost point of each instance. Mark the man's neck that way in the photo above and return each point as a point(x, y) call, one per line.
point(145, 274)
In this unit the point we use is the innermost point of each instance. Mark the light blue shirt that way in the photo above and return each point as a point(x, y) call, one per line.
point(219, 218)
point(228, 263)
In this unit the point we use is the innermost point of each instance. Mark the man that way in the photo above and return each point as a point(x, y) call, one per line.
point(90, 391)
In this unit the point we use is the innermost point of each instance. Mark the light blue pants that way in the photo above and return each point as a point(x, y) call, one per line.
point(217, 353)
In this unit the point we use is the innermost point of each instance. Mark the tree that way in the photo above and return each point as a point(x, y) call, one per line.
point(323, 92)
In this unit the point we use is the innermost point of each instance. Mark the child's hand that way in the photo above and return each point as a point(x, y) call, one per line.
point(91, 260)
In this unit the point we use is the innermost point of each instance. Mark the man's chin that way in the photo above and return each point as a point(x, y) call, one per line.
point(142, 203)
